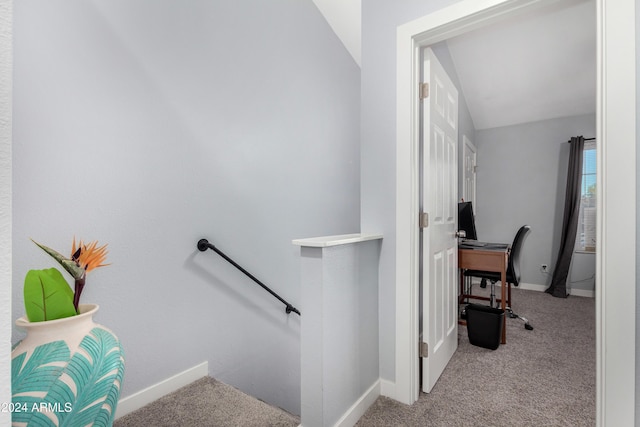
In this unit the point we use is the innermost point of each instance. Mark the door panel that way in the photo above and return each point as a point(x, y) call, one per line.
point(439, 198)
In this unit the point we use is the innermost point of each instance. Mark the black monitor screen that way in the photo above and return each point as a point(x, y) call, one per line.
point(466, 220)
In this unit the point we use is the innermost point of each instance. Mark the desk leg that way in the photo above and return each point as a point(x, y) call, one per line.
point(461, 299)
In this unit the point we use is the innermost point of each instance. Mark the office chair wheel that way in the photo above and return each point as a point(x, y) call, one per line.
point(513, 315)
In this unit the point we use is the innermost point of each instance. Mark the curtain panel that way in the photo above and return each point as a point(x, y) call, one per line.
point(558, 286)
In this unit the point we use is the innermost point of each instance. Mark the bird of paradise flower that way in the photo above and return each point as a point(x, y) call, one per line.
point(84, 258)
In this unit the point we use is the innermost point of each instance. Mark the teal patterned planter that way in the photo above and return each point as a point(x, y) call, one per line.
point(66, 372)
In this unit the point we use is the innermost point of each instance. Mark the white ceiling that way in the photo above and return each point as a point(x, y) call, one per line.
point(534, 67)
point(538, 66)
point(344, 17)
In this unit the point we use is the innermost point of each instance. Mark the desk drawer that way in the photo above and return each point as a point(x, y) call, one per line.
point(482, 260)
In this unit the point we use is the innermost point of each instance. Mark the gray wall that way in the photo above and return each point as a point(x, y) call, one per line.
point(522, 174)
point(148, 125)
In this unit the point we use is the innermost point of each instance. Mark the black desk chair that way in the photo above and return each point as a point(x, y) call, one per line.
point(513, 273)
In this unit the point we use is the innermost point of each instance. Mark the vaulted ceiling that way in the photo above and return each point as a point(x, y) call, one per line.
point(537, 66)
point(344, 17)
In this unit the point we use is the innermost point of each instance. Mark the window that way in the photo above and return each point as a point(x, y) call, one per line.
point(586, 236)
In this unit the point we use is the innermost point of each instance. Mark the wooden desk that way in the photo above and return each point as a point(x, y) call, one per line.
point(492, 257)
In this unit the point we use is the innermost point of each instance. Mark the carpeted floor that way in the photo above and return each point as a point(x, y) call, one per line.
point(543, 377)
point(208, 403)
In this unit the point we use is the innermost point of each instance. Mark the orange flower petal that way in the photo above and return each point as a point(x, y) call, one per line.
point(91, 256)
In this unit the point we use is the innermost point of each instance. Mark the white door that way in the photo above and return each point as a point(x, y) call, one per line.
point(439, 201)
point(469, 159)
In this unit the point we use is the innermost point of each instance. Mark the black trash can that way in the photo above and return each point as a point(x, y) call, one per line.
point(484, 325)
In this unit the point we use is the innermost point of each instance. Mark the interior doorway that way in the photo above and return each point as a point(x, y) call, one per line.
point(616, 136)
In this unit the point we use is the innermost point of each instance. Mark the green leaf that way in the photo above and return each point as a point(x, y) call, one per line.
point(47, 296)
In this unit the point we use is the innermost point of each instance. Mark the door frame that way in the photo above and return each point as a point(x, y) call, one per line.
point(466, 142)
point(616, 228)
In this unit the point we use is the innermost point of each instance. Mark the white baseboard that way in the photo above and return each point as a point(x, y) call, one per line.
point(582, 293)
point(388, 388)
point(573, 292)
point(144, 397)
point(357, 410)
point(531, 287)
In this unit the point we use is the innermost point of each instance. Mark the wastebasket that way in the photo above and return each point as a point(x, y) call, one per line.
point(484, 325)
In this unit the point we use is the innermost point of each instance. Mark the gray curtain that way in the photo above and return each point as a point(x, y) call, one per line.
point(558, 287)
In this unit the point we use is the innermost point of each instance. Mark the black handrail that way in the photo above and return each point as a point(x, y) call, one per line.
point(203, 245)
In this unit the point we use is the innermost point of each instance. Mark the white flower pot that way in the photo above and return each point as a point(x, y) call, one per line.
point(66, 372)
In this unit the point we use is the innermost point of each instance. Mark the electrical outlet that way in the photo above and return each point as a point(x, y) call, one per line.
point(544, 268)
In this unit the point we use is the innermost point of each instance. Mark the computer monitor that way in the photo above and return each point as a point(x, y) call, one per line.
point(466, 220)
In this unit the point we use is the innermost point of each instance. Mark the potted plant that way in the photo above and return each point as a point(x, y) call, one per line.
point(47, 295)
point(68, 370)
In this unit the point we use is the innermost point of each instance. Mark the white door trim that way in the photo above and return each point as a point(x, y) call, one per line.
point(616, 228)
point(466, 142)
